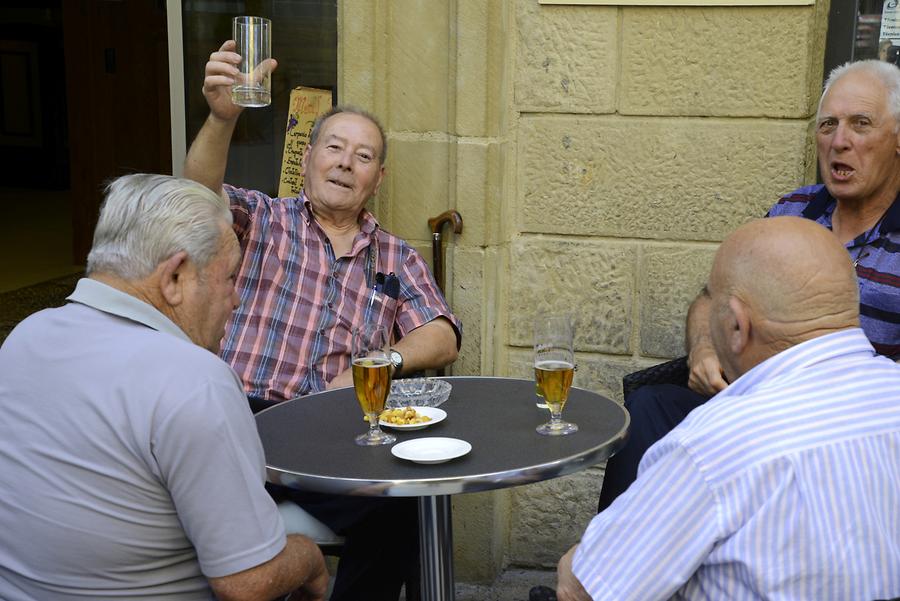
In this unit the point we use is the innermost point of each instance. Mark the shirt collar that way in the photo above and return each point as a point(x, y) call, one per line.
point(824, 202)
point(97, 295)
point(891, 221)
point(823, 348)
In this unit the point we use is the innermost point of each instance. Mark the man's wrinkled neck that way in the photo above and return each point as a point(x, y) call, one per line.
point(339, 223)
point(852, 218)
point(140, 289)
point(137, 289)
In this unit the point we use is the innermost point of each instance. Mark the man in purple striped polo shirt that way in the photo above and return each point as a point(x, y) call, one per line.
point(315, 267)
point(858, 142)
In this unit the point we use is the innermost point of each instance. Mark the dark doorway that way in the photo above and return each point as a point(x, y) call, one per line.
point(117, 88)
point(84, 97)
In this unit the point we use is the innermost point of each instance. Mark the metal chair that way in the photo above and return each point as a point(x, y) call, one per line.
point(299, 521)
point(675, 372)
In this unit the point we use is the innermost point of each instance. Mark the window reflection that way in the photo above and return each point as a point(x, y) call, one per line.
point(878, 31)
point(304, 41)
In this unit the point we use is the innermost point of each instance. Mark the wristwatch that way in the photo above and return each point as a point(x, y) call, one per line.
point(396, 361)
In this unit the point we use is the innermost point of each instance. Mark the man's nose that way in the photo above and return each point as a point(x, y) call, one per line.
point(345, 160)
point(235, 299)
point(841, 138)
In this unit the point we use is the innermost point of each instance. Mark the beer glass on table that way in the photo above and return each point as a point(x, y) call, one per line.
point(554, 368)
point(371, 364)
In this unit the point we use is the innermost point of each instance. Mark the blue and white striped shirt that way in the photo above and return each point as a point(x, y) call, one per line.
point(784, 486)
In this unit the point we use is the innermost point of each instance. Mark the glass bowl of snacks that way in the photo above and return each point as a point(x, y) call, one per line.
point(418, 392)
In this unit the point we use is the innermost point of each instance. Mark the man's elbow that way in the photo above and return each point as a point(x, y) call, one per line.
point(231, 593)
point(449, 343)
point(452, 353)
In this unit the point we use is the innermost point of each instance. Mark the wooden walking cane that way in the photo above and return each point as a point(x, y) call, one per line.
point(437, 248)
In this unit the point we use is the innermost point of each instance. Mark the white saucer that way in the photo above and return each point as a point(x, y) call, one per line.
point(436, 415)
point(431, 450)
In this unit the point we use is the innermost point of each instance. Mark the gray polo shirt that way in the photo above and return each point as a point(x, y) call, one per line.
point(130, 465)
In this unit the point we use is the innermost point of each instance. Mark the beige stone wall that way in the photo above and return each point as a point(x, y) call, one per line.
point(597, 155)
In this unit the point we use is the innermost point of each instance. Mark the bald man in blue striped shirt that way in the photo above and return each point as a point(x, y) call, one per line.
point(785, 485)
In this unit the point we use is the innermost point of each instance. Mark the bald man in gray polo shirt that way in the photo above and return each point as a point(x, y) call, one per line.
point(129, 461)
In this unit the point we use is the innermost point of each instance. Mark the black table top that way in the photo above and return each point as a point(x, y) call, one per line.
point(309, 441)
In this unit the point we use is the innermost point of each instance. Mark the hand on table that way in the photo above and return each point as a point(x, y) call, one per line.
point(568, 588)
point(706, 375)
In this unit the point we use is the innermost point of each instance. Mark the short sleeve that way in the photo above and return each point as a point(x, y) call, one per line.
point(209, 454)
point(650, 541)
point(795, 203)
point(420, 299)
point(243, 204)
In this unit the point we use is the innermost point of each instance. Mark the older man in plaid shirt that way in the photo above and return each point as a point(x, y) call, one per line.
point(308, 277)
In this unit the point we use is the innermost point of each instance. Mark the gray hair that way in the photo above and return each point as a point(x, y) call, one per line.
point(353, 110)
point(887, 73)
point(145, 219)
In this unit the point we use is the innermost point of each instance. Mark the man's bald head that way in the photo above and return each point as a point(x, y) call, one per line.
point(776, 283)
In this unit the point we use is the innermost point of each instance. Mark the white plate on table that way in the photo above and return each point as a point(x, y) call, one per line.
point(436, 415)
point(431, 450)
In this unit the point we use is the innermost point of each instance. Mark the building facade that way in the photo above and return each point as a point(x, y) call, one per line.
point(597, 154)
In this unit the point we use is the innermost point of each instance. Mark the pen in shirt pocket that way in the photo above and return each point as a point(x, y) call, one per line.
point(376, 289)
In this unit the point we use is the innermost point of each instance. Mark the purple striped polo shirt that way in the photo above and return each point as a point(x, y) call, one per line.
point(291, 334)
point(876, 255)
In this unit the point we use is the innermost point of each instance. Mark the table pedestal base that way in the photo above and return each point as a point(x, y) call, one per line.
point(436, 548)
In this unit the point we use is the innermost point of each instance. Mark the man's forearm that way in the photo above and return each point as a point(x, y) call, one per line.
point(697, 328)
point(568, 586)
point(706, 376)
point(430, 346)
point(300, 564)
point(208, 156)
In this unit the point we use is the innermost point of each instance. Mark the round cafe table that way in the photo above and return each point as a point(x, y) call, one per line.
point(309, 445)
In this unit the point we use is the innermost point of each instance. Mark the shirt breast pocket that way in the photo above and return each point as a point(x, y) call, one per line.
point(381, 309)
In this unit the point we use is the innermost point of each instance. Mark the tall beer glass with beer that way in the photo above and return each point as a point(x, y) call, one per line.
point(372, 379)
point(554, 368)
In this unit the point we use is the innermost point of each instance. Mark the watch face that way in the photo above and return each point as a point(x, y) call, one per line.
point(396, 358)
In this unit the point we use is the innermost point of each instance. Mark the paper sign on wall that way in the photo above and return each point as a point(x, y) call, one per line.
point(306, 104)
point(889, 37)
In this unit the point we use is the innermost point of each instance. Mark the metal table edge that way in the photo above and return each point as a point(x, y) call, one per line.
point(456, 484)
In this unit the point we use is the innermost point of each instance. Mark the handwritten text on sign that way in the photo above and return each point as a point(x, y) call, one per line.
point(306, 104)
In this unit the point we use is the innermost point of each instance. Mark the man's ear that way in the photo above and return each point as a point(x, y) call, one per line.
point(305, 160)
point(378, 183)
point(738, 326)
point(170, 274)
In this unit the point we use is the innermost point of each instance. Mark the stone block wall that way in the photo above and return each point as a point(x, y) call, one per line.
point(597, 155)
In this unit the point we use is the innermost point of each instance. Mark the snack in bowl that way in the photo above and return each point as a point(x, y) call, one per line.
point(411, 418)
point(404, 416)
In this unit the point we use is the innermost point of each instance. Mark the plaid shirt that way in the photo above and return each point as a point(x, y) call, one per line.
point(291, 334)
point(876, 256)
